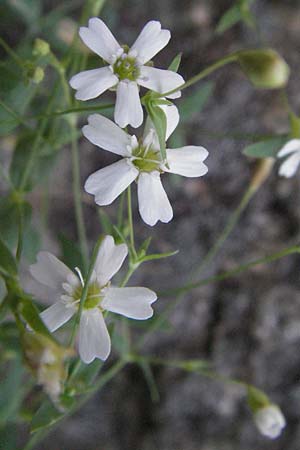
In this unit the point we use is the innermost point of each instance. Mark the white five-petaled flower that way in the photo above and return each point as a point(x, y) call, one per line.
point(132, 302)
point(291, 149)
point(127, 69)
point(270, 421)
point(141, 162)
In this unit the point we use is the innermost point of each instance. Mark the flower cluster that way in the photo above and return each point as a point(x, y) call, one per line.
point(145, 158)
point(128, 69)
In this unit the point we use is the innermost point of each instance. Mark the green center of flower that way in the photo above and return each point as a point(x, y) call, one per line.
point(146, 159)
point(93, 298)
point(126, 68)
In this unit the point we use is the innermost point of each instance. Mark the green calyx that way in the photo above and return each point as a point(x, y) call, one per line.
point(146, 159)
point(93, 298)
point(126, 68)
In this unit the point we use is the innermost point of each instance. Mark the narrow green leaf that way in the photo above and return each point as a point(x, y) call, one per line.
point(174, 66)
point(196, 101)
point(158, 256)
point(44, 161)
point(149, 377)
point(159, 120)
point(265, 149)
point(7, 260)
point(229, 18)
point(12, 391)
point(9, 219)
point(45, 416)
point(32, 316)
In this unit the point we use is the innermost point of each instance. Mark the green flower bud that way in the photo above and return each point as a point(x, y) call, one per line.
point(41, 47)
point(265, 68)
point(38, 75)
point(257, 399)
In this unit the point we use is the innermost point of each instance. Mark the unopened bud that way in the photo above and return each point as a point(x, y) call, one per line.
point(41, 47)
point(38, 75)
point(46, 360)
point(264, 68)
point(267, 416)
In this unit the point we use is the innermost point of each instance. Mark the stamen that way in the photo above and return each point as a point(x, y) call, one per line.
point(80, 275)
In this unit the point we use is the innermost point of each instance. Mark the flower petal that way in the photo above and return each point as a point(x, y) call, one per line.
point(109, 260)
point(150, 41)
point(154, 204)
point(106, 134)
point(94, 340)
point(108, 183)
point(92, 83)
point(99, 39)
point(187, 161)
point(57, 315)
point(132, 302)
point(128, 110)
point(289, 167)
point(172, 116)
point(160, 80)
point(291, 146)
point(50, 271)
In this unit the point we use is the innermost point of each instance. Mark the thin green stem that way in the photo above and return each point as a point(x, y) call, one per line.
point(77, 199)
point(231, 273)
point(178, 292)
point(85, 291)
point(14, 114)
point(250, 191)
point(128, 275)
point(130, 222)
point(103, 380)
point(204, 73)
point(12, 53)
point(184, 365)
point(74, 110)
point(20, 232)
point(6, 177)
point(36, 144)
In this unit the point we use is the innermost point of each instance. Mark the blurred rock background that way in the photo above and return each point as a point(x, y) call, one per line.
point(248, 326)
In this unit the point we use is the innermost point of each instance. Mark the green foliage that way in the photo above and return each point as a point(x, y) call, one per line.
point(46, 416)
point(239, 12)
point(15, 98)
point(195, 102)
point(174, 66)
point(159, 120)
point(12, 391)
point(32, 316)
point(7, 260)
point(265, 149)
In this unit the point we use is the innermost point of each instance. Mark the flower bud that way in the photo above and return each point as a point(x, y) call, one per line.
point(265, 68)
point(38, 75)
point(46, 360)
point(267, 416)
point(41, 47)
point(270, 421)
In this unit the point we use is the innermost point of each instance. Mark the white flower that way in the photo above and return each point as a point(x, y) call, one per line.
point(126, 70)
point(141, 162)
point(132, 302)
point(270, 421)
point(289, 167)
